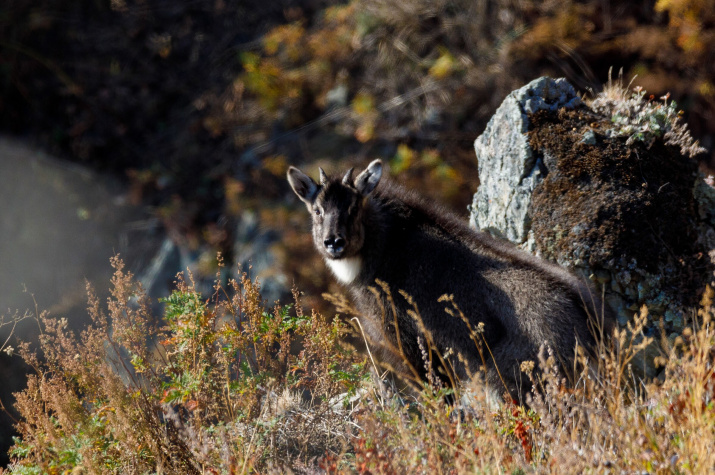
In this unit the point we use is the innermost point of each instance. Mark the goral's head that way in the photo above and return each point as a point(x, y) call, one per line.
point(337, 207)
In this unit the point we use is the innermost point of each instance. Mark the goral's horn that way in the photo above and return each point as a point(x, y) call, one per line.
point(323, 176)
point(348, 178)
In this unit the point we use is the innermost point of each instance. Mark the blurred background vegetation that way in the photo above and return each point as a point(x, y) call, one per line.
point(200, 106)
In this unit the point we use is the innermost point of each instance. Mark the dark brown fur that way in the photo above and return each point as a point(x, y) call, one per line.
point(420, 248)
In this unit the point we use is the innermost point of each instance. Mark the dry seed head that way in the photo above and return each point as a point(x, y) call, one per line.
point(660, 361)
point(527, 367)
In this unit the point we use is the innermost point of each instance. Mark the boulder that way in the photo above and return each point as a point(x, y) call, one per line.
point(508, 168)
point(634, 217)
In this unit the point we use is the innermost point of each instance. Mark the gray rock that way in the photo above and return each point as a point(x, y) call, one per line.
point(589, 138)
point(624, 315)
point(253, 255)
point(508, 171)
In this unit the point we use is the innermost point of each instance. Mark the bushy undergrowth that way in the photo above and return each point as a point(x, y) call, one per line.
point(228, 387)
point(219, 389)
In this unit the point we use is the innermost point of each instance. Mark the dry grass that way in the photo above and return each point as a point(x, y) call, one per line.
point(226, 387)
point(608, 419)
point(219, 389)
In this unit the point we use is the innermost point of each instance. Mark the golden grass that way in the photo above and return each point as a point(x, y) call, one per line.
point(228, 387)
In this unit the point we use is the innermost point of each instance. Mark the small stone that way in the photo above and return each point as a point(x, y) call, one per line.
point(589, 138)
point(678, 321)
point(578, 229)
point(631, 291)
point(624, 278)
point(624, 316)
point(615, 287)
point(643, 290)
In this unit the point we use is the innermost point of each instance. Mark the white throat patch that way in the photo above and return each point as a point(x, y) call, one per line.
point(346, 270)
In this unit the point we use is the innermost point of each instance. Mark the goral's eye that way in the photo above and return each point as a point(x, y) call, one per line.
point(317, 211)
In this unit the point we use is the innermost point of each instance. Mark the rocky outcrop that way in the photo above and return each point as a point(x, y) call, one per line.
point(556, 180)
point(509, 170)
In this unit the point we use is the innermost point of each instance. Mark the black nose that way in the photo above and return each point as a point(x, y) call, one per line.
point(334, 243)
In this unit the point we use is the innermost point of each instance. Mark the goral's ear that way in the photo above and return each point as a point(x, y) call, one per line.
point(369, 178)
point(303, 185)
